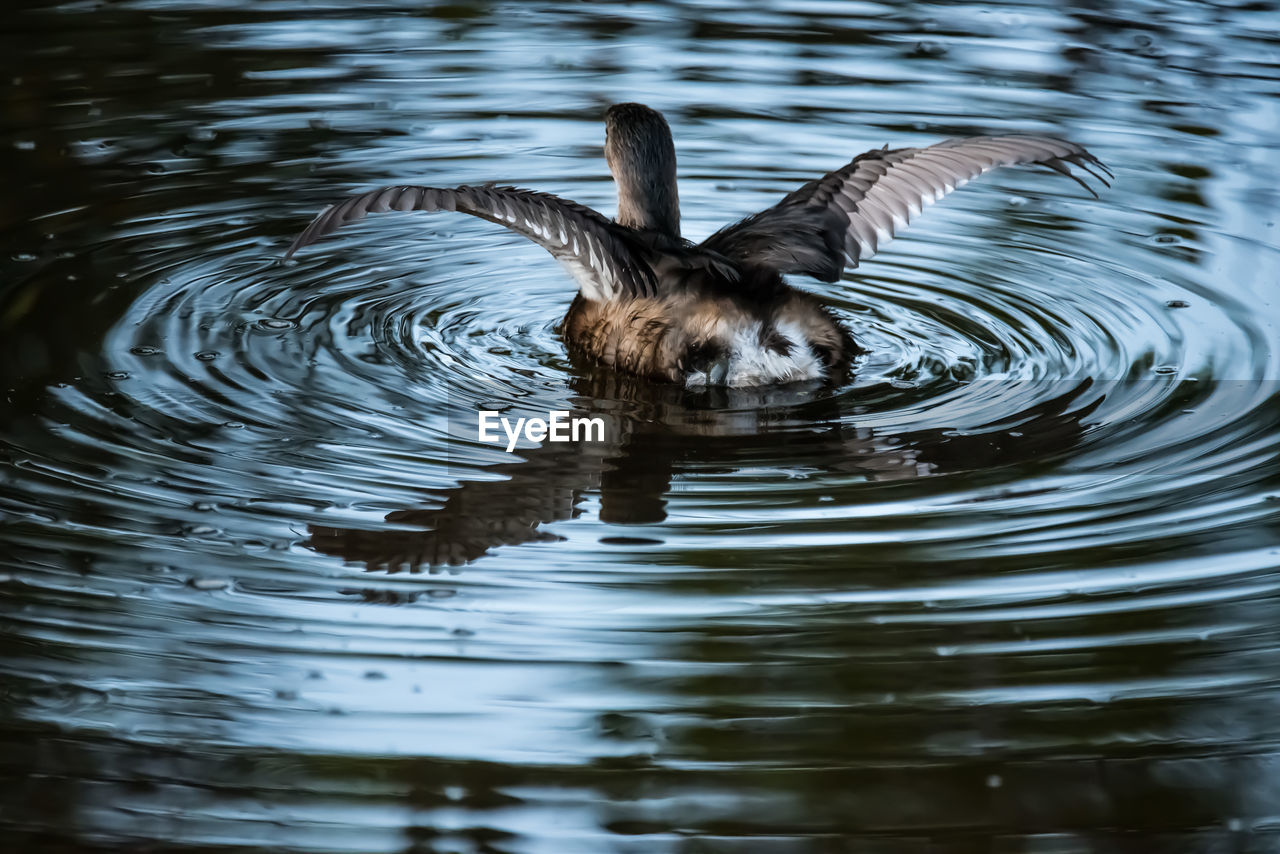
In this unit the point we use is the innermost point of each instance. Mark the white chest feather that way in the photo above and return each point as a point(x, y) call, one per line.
point(750, 363)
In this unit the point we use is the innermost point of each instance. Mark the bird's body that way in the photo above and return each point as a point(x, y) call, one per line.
point(720, 312)
point(708, 337)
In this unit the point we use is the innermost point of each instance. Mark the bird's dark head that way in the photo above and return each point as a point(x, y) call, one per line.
point(642, 158)
point(635, 124)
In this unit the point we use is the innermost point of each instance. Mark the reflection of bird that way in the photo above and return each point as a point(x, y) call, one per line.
point(665, 432)
point(717, 313)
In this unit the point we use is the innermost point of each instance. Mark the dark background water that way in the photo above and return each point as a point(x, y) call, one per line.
point(1013, 587)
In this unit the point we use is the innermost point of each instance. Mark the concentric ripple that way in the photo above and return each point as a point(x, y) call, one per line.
point(262, 586)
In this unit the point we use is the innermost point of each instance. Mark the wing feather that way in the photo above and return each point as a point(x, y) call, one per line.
point(845, 216)
point(596, 251)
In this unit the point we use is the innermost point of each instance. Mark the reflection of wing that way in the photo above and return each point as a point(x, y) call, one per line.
point(1041, 433)
point(846, 215)
point(596, 252)
point(477, 516)
point(542, 485)
point(467, 527)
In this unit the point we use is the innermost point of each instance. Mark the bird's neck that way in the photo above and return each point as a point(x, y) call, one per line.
point(647, 196)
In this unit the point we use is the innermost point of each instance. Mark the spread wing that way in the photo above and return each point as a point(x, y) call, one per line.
point(847, 215)
point(596, 252)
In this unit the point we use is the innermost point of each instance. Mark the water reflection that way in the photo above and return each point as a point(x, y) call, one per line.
point(655, 436)
point(1010, 587)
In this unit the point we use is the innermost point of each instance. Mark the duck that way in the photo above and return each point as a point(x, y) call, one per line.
point(656, 306)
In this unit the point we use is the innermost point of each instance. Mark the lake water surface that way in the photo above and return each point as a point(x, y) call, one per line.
point(1015, 586)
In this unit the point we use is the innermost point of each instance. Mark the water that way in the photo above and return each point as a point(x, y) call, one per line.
point(1013, 587)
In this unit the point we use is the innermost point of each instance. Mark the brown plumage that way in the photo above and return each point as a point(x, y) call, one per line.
point(719, 312)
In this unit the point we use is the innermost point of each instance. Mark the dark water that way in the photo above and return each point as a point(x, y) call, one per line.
point(1012, 588)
